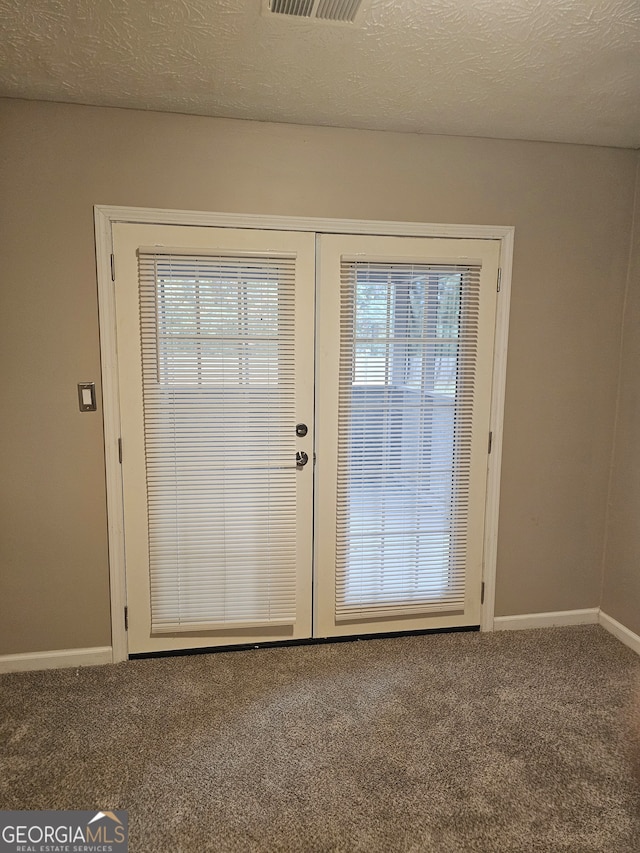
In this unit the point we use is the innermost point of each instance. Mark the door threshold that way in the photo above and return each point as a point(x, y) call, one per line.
point(308, 641)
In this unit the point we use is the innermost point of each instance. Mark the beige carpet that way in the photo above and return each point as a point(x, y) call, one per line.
point(446, 743)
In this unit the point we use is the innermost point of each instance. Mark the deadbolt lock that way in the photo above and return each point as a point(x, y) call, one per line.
point(301, 430)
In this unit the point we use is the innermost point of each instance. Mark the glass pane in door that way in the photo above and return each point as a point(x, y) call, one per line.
point(407, 366)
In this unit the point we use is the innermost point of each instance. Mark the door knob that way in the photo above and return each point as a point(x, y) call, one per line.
point(301, 458)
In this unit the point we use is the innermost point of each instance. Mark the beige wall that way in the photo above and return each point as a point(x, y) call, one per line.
point(571, 206)
point(621, 581)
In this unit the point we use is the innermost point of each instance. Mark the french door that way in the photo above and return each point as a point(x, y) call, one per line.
point(404, 366)
point(250, 517)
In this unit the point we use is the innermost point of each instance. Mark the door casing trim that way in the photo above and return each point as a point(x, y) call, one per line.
point(104, 218)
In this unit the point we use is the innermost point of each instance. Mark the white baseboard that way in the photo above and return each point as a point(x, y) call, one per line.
point(619, 631)
point(559, 618)
point(56, 659)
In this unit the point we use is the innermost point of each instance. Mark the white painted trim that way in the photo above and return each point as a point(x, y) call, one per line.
point(494, 469)
point(106, 215)
point(622, 633)
point(111, 421)
point(56, 659)
point(554, 619)
point(158, 216)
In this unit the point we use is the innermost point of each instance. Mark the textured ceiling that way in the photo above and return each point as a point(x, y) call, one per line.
point(557, 70)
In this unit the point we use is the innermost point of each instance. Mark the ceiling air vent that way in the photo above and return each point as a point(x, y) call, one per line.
point(341, 11)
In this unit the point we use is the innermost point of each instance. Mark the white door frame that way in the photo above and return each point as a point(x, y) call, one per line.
point(106, 215)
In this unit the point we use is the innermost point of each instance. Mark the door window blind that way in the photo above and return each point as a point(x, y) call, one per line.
point(217, 336)
point(406, 395)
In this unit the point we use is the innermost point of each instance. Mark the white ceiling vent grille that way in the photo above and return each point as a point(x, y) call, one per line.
point(340, 11)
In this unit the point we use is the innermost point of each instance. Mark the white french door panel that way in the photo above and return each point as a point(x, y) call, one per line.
point(215, 341)
point(404, 359)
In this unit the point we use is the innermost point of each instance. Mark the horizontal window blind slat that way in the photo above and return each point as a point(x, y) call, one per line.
point(170, 627)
